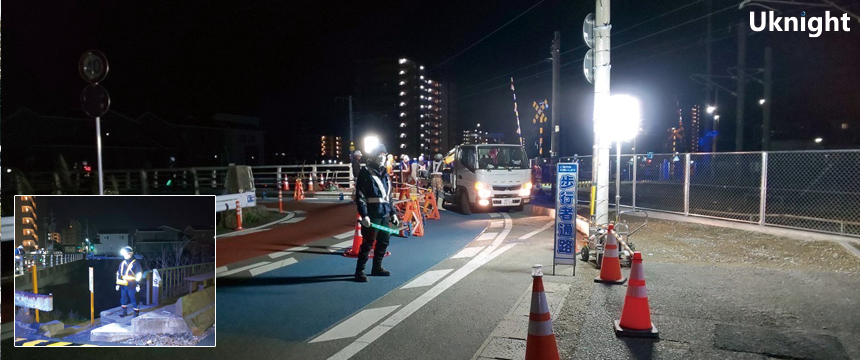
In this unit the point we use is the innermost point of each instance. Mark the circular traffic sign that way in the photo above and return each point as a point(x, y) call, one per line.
point(93, 66)
point(95, 100)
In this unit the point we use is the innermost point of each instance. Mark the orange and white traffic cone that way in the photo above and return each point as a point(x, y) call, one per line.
point(238, 216)
point(610, 266)
point(636, 314)
point(540, 344)
point(280, 201)
point(356, 239)
point(286, 184)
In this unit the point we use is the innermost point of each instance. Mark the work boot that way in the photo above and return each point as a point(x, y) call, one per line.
point(123, 314)
point(136, 313)
point(378, 270)
point(359, 276)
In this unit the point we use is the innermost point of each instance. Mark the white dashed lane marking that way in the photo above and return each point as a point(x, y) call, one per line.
point(427, 279)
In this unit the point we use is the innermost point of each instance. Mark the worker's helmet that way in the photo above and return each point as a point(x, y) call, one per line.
point(357, 153)
point(438, 157)
point(377, 156)
point(404, 157)
point(127, 251)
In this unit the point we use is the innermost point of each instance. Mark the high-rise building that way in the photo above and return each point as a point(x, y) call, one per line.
point(71, 236)
point(330, 148)
point(399, 102)
point(694, 129)
point(26, 230)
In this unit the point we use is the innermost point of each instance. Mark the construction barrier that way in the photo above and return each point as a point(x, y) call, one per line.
point(299, 194)
point(636, 313)
point(413, 219)
point(610, 266)
point(540, 344)
point(431, 207)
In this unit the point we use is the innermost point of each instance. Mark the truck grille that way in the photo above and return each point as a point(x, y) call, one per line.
point(506, 187)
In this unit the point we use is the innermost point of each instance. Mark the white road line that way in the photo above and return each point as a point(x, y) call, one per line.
point(427, 279)
point(496, 223)
point(243, 232)
point(340, 245)
point(287, 252)
point(467, 252)
point(273, 266)
point(486, 236)
point(220, 269)
point(485, 256)
point(294, 220)
point(345, 235)
point(356, 324)
point(494, 215)
point(231, 272)
point(533, 233)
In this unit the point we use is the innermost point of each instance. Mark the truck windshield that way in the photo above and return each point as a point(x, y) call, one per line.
point(502, 157)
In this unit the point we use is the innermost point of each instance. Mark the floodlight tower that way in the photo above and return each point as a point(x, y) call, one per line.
point(601, 106)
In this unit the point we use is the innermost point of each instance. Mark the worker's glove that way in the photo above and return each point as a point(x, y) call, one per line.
point(395, 220)
point(117, 288)
point(137, 288)
point(365, 221)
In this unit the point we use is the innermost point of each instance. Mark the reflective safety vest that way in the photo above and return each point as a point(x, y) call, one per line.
point(127, 273)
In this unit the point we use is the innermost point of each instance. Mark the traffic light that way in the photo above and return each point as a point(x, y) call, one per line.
point(169, 182)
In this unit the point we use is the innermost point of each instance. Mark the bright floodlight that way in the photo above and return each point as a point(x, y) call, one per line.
point(818, 140)
point(761, 102)
point(711, 109)
point(370, 143)
point(622, 118)
point(716, 117)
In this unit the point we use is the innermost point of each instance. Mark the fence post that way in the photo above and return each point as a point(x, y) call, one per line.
point(143, 182)
point(687, 184)
point(196, 183)
point(763, 195)
point(213, 179)
point(634, 181)
point(128, 180)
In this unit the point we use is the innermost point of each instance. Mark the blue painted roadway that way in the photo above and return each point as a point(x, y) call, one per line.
point(298, 301)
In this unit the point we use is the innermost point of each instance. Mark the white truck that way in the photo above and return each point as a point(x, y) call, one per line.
point(483, 176)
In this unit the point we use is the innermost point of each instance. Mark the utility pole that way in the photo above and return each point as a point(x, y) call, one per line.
point(556, 66)
point(351, 127)
point(709, 87)
point(601, 101)
point(742, 47)
point(765, 126)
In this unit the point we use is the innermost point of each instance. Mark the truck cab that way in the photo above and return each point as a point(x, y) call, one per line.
point(485, 176)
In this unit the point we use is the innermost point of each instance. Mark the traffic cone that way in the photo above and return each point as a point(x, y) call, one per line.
point(636, 314)
point(286, 184)
point(239, 216)
point(299, 194)
point(540, 344)
point(356, 239)
point(610, 267)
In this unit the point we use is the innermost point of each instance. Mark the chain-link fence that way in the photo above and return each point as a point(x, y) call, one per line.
point(810, 190)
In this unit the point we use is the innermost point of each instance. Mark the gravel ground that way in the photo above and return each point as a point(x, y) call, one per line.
point(679, 242)
point(169, 339)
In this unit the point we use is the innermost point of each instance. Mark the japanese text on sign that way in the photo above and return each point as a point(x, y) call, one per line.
point(565, 210)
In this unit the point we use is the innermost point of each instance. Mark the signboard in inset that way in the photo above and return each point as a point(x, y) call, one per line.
point(564, 250)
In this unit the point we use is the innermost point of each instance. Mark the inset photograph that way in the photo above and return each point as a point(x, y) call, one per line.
point(114, 270)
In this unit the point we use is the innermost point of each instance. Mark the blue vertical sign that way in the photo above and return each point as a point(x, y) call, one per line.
point(564, 250)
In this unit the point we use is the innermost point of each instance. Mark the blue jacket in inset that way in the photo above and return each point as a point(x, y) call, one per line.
point(373, 193)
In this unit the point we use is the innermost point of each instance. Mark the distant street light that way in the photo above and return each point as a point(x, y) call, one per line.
point(818, 140)
point(716, 117)
point(711, 109)
point(761, 102)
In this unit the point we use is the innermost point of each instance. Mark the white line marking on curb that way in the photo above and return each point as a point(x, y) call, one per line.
point(485, 256)
point(287, 252)
point(494, 215)
point(496, 223)
point(486, 236)
point(467, 252)
point(273, 266)
point(231, 272)
point(220, 269)
point(356, 324)
point(533, 233)
point(345, 235)
point(427, 279)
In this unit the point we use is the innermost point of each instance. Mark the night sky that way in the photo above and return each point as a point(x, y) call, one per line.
point(286, 61)
point(128, 212)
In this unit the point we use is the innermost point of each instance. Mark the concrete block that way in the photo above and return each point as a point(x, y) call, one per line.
point(159, 322)
point(52, 327)
point(198, 310)
point(504, 348)
point(112, 333)
point(111, 316)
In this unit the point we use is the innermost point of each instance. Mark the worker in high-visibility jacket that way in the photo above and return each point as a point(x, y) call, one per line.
point(128, 281)
point(373, 198)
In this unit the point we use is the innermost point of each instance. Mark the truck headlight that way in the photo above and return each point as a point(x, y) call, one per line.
point(526, 189)
point(484, 190)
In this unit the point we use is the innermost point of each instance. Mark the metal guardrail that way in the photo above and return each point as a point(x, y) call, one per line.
point(228, 202)
point(172, 282)
point(44, 260)
point(808, 190)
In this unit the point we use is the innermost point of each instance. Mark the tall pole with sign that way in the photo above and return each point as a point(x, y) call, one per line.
point(95, 100)
point(601, 106)
point(564, 246)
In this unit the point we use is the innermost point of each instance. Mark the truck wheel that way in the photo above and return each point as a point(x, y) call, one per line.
point(463, 203)
point(584, 253)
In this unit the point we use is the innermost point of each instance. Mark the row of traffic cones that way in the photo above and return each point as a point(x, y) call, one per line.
point(635, 313)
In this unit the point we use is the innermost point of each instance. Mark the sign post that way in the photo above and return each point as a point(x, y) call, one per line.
point(564, 246)
point(92, 311)
point(95, 100)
